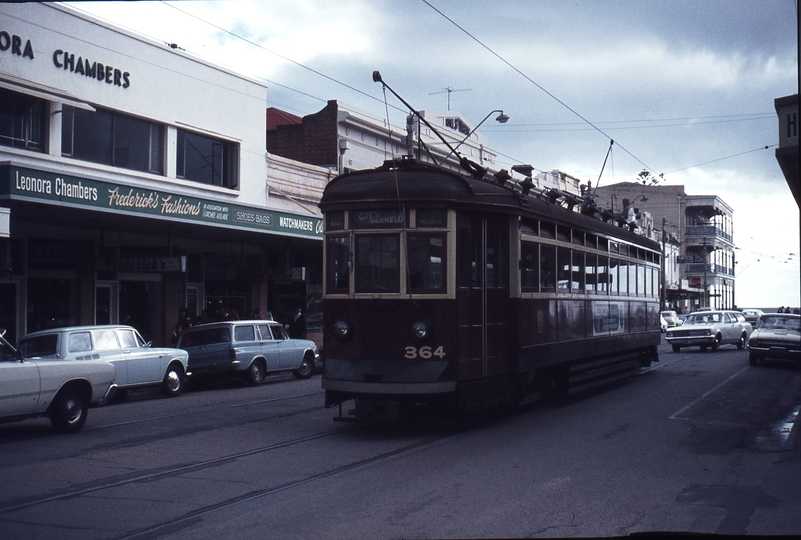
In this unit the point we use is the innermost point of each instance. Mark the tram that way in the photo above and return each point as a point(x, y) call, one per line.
point(466, 291)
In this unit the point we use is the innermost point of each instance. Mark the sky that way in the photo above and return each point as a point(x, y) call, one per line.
point(684, 88)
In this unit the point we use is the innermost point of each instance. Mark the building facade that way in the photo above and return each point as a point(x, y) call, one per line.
point(787, 152)
point(698, 234)
point(134, 180)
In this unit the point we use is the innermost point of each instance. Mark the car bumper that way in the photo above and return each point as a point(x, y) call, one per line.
point(776, 352)
point(691, 341)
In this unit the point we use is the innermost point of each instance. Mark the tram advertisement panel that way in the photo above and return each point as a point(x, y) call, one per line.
point(608, 318)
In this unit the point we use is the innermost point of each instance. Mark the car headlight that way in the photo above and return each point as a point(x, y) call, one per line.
point(669, 334)
point(421, 330)
point(342, 330)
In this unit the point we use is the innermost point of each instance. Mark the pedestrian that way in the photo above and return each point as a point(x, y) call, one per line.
point(228, 314)
point(297, 326)
point(184, 322)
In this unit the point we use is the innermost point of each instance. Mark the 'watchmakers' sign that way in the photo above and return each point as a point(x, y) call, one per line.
point(42, 186)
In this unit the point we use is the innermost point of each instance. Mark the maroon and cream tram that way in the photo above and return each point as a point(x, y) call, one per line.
point(449, 289)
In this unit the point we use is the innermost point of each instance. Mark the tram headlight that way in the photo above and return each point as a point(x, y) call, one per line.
point(342, 330)
point(421, 330)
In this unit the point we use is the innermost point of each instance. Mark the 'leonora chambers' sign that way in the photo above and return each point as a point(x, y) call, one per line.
point(21, 183)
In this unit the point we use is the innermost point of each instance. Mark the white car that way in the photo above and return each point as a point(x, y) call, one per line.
point(138, 364)
point(710, 329)
point(59, 389)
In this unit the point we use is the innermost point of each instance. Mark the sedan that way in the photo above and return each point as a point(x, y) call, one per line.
point(137, 364)
point(707, 329)
point(777, 335)
point(752, 316)
point(61, 390)
point(671, 318)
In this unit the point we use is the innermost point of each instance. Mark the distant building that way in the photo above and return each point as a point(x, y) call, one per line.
point(557, 179)
point(698, 235)
point(787, 152)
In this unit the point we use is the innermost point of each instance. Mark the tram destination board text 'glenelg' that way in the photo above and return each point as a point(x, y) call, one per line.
point(43, 186)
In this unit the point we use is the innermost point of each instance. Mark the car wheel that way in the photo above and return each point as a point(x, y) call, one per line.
point(676, 348)
point(173, 383)
point(255, 373)
point(716, 344)
point(306, 368)
point(741, 343)
point(754, 359)
point(68, 411)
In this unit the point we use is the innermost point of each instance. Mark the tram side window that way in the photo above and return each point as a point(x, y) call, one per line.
point(431, 218)
point(377, 263)
point(591, 272)
point(603, 274)
point(529, 266)
point(426, 263)
point(577, 271)
point(563, 268)
point(338, 249)
point(634, 270)
point(547, 268)
point(463, 272)
point(614, 276)
point(336, 221)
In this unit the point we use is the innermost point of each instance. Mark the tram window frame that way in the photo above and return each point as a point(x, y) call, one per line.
point(577, 238)
point(591, 241)
point(624, 250)
point(529, 266)
point(463, 250)
point(335, 221)
point(424, 269)
point(496, 260)
point(577, 269)
point(340, 282)
point(431, 217)
point(563, 234)
point(548, 230)
point(547, 268)
point(633, 271)
point(603, 244)
point(529, 227)
point(614, 247)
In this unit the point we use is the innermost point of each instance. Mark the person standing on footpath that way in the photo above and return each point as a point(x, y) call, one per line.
point(297, 326)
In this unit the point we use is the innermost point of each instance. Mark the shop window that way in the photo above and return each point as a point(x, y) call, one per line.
point(426, 263)
point(206, 160)
point(22, 121)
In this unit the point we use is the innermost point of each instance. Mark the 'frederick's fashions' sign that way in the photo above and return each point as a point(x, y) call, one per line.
point(68, 61)
point(20, 183)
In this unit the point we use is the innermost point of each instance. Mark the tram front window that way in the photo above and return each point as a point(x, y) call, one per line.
point(426, 263)
point(377, 263)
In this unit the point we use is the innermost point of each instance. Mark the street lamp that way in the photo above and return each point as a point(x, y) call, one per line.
point(501, 119)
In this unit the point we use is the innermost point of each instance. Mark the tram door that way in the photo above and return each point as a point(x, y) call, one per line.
point(482, 296)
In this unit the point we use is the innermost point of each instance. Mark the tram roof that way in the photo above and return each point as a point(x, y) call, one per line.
point(422, 183)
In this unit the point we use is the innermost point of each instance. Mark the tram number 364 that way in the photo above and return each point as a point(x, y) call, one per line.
point(424, 352)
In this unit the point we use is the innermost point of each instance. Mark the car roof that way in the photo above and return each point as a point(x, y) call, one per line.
point(226, 323)
point(79, 329)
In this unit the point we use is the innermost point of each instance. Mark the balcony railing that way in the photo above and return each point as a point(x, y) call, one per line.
point(710, 231)
point(711, 269)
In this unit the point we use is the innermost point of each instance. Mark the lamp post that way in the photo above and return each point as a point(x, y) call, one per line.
point(501, 119)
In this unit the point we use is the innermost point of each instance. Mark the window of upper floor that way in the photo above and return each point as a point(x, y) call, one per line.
point(22, 121)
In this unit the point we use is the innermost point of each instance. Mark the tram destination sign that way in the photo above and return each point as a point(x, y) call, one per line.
point(48, 187)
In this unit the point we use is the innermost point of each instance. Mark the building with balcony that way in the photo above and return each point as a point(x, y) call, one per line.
point(698, 234)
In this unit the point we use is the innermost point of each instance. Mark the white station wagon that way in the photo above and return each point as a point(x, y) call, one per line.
point(62, 390)
point(138, 365)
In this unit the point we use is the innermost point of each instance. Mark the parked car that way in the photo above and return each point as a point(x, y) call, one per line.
point(671, 318)
point(777, 335)
point(59, 389)
point(137, 364)
point(247, 348)
point(752, 316)
point(710, 329)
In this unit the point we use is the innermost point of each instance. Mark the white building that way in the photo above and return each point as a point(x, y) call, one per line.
point(134, 181)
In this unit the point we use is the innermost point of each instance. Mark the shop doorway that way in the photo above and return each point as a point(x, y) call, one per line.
point(142, 305)
point(52, 303)
point(8, 310)
point(106, 303)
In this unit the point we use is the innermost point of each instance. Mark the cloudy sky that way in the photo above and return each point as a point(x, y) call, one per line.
point(684, 87)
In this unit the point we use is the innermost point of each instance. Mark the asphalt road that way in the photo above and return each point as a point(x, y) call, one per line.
point(699, 442)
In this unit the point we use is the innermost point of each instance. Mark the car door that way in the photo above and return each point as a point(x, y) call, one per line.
point(107, 348)
point(270, 347)
point(291, 349)
point(733, 330)
point(144, 365)
point(20, 386)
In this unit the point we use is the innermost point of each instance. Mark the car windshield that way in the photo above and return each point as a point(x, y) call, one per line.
point(704, 318)
point(46, 345)
point(780, 323)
